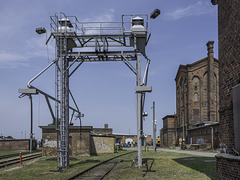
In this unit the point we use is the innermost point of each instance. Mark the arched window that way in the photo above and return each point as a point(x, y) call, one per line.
point(196, 81)
point(195, 97)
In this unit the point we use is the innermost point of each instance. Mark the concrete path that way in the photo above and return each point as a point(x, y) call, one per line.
point(206, 154)
point(198, 153)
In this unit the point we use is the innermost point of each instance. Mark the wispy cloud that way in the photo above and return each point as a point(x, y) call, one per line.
point(101, 20)
point(32, 48)
point(200, 8)
point(35, 47)
point(10, 60)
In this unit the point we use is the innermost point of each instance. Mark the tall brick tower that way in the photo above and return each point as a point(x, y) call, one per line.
point(228, 161)
point(211, 94)
point(229, 67)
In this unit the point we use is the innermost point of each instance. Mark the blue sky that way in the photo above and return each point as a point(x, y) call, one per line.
point(103, 91)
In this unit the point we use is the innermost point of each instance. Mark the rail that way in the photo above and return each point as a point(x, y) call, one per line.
point(15, 155)
point(100, 170)
point(16, 160)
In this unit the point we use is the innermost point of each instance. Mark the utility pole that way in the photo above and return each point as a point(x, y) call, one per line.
point(139, 112)
point(154, 128)
point(31, 134)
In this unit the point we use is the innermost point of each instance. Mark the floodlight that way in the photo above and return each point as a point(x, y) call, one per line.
point(214, 2)
point(155, 14)
point(41, 30)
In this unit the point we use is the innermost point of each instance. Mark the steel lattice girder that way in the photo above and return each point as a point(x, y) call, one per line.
point(103, 56)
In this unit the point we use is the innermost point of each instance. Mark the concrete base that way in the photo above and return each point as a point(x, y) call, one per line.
point(228, 166)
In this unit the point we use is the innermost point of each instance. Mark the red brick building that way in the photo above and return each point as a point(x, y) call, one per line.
point(228, 161)
point(197, 98)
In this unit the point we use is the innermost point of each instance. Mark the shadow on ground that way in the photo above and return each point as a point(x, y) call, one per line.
point(148, 162)
point(205, 165)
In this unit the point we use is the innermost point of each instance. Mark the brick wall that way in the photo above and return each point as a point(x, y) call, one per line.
point(102, 130)
point(79, 142)
point(228, 166)
point(103, 144)
point(229, 67)
point(204, 135)
point(16, 144)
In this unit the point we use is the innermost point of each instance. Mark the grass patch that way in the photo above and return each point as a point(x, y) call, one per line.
point(167, 165)
point(3, 153)
point(160, 165)
point(46, 168)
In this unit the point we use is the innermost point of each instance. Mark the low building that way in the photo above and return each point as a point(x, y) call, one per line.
point(206, 132)
point(82, 141)
point(168, 132)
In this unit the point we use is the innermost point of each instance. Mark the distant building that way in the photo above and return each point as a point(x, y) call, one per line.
point(197, 99)
point(103, 131)
point(123, 139)
point(168, 132)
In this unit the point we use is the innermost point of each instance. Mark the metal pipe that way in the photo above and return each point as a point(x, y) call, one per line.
point(35, 77)
point(146, 73)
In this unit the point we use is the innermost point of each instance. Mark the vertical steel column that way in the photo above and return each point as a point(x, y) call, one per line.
point(64, 99)
point(139, 111)
point(154, 128)
point(57, 108)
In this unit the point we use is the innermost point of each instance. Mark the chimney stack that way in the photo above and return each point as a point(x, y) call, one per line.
point(210, 89)
point(106, 126)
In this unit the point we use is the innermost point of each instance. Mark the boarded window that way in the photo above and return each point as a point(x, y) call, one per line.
point(196, 114)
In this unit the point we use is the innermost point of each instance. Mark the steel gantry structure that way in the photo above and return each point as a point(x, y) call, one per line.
point(79, 42)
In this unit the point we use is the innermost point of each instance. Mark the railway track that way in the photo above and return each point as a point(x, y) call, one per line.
point(12, 160)
point(100, 170)
point(16, 154)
